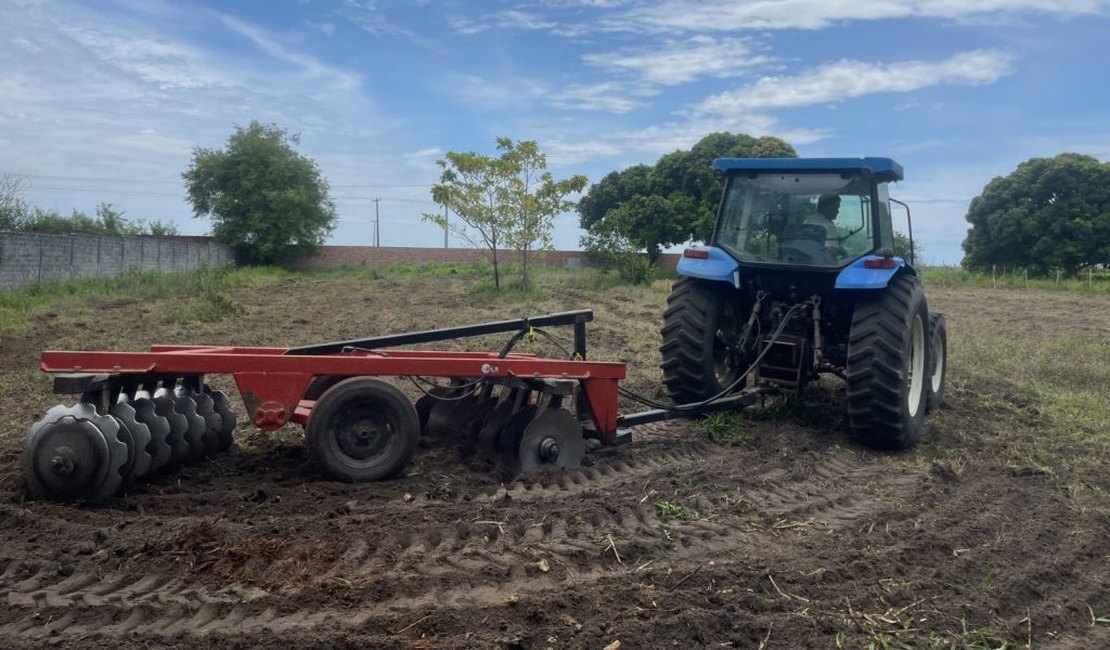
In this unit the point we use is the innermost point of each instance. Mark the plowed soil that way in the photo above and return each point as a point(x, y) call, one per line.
point(795, 538)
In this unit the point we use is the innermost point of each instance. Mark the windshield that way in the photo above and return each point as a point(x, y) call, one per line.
point(808, 219)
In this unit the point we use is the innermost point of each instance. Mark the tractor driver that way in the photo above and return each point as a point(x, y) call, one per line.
point(828, 208)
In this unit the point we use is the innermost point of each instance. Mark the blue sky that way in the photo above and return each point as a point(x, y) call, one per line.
point(104, 101)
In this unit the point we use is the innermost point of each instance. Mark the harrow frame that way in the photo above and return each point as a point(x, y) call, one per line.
point(357, 427)
point(272, 380)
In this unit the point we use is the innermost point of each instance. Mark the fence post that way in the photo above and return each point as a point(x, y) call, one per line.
point(1026, 278)
point(1091, 277)
point(1057, 278)
point(994, 276)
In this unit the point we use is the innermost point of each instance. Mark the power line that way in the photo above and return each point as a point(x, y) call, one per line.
point(97, 179)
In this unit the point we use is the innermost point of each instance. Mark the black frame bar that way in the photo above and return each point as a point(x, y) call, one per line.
point(577, 318)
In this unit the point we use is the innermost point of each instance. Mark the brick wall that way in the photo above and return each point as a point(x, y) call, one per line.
point(27, 258)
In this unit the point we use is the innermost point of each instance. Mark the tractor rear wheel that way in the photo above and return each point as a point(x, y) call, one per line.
point(362, 429)
point(888, 365)
point(938, 361)
point(701, 330)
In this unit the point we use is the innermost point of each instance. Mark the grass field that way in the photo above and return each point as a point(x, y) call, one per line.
point(768, 527)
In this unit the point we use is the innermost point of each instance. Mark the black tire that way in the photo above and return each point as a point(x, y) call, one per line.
point(938, 361)
point(362, 429)
point(320, 385)
point(700, 317)
point(888, 352)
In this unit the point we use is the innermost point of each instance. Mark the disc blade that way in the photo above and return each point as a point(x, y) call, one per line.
point(74, 453)
point(159, 427)
point(136, 436)
point(228, 421)
point(553, 440)
point(194, 433)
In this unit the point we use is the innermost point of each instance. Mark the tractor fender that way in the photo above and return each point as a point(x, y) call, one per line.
point(857, 276)
point(718, 266)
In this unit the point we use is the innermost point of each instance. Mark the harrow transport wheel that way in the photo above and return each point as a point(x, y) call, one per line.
point(320, 385)
point(136, 436)
point(701, 329)
point(362, 429)
point(938, 361)
point(74, 453)
point(552, 440)
point(888, 362)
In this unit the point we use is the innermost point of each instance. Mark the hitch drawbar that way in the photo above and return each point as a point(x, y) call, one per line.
point(144, 413)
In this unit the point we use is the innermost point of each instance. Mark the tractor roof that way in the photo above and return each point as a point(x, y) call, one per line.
point(884, 169)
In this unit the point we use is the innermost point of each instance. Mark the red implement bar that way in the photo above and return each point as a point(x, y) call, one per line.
point(272, 382)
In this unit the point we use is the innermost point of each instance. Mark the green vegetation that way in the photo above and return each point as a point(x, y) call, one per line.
point(1048, 214)
point(507, 201)
point(265, 199)
point(672, 510)
point(650, 207)
point(948, 276)
point(726, 428)
point(17, 214)
point(205, 289)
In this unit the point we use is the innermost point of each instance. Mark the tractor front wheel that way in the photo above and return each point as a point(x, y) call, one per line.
point(938, 361)
point(888, 370)
point(701, 337)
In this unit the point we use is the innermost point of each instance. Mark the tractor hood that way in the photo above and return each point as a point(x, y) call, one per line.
point(884, 169)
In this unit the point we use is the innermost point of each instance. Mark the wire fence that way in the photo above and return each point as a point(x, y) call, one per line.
point(1001, 277)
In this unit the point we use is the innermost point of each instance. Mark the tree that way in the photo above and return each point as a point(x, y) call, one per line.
point(1049, 213)
point(533, 198)
point(509, 200)
point(13, 207)
point(902, 247)
point(265, 199)
point(672, 201)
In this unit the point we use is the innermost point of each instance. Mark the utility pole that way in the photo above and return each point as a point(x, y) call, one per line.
point(377, 224)
point(445, 225)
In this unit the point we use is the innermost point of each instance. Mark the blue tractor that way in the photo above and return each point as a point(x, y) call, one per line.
point(800, 279)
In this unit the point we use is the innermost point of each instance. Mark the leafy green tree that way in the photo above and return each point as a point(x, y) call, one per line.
point(13, 207)
point(508, 200)
point(672, 201)
point(1049, 213)
point(533, 198)
point(902, 247)
point(265, 199)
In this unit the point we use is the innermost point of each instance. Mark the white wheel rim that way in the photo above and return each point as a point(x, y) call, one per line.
point(916, 365)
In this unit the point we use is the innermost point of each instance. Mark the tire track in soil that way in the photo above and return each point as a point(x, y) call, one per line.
point(467, 563)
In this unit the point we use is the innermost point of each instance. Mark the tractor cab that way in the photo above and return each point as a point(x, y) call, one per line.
point(817, 212)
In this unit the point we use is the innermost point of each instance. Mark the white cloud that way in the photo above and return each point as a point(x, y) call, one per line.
point(509, 19)
point(847, 79)
point(304, 62)
point(697, 16)
point(678, 62)
point(608, 96)
point(488, 95)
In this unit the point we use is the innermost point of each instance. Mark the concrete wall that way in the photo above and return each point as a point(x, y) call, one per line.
point(27, 258)
point(339, 256)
